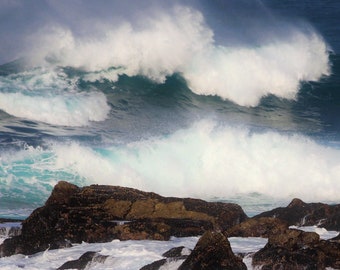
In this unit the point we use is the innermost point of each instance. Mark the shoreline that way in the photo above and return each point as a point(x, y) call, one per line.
point(100, 214)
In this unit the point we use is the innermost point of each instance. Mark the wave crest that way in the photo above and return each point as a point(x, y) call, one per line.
point(179, 40)
point(51, 97)
point(246, 74)
point(204, 161)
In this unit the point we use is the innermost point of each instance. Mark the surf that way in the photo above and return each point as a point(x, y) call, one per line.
point(206, 161)
point(159, 42)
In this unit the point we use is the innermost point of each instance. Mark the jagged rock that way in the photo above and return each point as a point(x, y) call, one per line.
point(293, 239)
point(300, 213)
point(336, 238)
point(295, 249)
point(101, 213)
point(9, 220)
point(177, 252)
point(172, 255)
point(257, 227)
point(62, 193)
point(154, 265)
point(10, 229)
point(83, 261)
point(212, 251)
point(160, 229)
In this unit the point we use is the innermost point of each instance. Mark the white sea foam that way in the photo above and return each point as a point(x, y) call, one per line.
point(207, 161)
point(123, 255)
point(324, 234)
point(66, 110)
point(246, 74)
point(179, 40)
point(49, 96)
point(158, 47)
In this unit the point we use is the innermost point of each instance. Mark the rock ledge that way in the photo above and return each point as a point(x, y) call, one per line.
point(101, 213)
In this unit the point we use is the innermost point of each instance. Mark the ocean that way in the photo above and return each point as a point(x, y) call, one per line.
point(219, 100)
point(234, 101)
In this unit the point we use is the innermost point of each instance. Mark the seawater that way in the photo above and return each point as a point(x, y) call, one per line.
point(234, 101)
point(135, 254)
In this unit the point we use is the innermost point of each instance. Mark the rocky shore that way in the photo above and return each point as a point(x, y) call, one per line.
point(103, 213)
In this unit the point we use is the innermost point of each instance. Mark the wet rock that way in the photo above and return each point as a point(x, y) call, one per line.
point(336, 238)
point(177, 252)
point(10, 229)
point(172, 255)
point(212, 251)
point(160, 229)
point(83, 261)
point(155, 265)
point(62, 193)
point(9, 220)
point(300, 213)
point(257, 227)
point(295, 249)
point(101, 213)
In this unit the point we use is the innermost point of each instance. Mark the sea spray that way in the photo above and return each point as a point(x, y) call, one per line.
point(61, 101)
point(245, 74)
point(179, 40)
point(100, 93)
point(204, 161)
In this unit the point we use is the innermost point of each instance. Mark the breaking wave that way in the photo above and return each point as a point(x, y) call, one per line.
point(179, 40)
point(50, 96)
point(204, 161)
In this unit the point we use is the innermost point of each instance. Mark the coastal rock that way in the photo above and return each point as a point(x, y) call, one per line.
point(336, 238)
point(83, 261)
point(295, 249)
point(101, 213)
point(212, 251)
point(10, 220)
point(154, 265)
point(10, 229)
point(172, 255)
point(300, 213)
point(177, 252)
point(257, 227)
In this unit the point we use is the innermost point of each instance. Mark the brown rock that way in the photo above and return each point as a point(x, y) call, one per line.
point(117, 209)
point(102, 213)
point(294, 239)
point(171, 255)
point(176, 252)
point(142, 209)
point(336, 238)
point(154, 265)
point(10, 229)
point(5, 220)
point(331, 251)
point(61, 193)
point(212, 251)
point(295, 249)
point(300, 213)
point(83, 261)
point(257, 227)
point(142, 229)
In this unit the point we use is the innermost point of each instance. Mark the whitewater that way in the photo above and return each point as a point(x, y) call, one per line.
point(160, 100)
point(133, 255)
point(233, 101)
